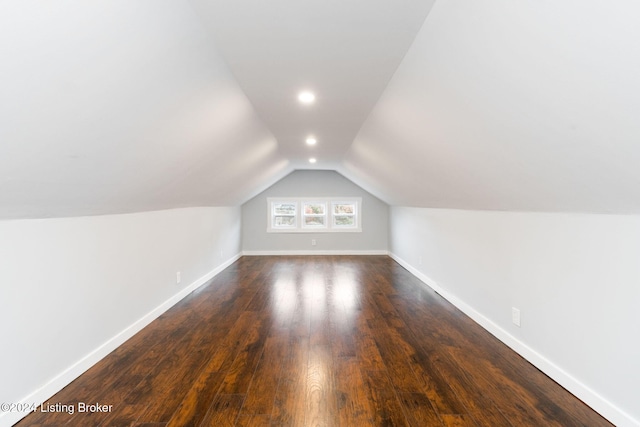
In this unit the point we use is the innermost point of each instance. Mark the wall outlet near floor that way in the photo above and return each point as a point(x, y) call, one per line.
point(178, 278)
point(515, 316)
point(420, 260)
point(313, 242)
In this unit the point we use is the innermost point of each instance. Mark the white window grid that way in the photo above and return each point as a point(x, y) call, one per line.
point(332, 214)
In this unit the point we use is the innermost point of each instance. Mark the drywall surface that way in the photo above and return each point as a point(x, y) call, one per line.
point(122, 106)
point(575, 278)
point(71, 285)
point(306, 183)
point(510, 105)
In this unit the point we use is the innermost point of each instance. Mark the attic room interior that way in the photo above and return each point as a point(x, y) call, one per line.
point(355, 212)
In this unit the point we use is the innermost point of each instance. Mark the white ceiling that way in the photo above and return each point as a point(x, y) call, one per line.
point(120, 106)
point(344, 51)
point(530, 106)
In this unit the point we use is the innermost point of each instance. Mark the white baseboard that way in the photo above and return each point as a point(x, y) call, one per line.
point(319, 252)
point(66, 377)
point(601, 405)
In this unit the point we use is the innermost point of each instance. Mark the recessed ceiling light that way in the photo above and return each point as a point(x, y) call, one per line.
point(311, 141)
point(312, 160)
point(306, 97)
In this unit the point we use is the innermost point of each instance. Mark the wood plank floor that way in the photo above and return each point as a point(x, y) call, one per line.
point(316, 341)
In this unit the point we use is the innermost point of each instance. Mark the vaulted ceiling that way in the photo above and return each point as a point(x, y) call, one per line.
point(121, 106)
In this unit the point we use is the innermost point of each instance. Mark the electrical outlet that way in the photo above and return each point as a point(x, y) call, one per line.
point(420, 260)
point(178, 278)
point(515, 316)
point(313, 242)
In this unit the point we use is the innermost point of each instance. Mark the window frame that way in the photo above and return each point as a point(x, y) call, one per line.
point(355, 214)
point(329, 216)
point(273, 215)
point(304, 215)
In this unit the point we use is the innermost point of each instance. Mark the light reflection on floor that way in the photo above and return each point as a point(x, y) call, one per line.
point(283, 299)
point(317, 294)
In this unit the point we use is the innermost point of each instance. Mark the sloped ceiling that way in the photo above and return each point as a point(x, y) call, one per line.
point(343, 51)
point(502, 105)
point(122, 106)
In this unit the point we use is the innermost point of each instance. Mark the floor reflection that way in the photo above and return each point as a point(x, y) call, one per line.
point(314, 294)
point(283, 299)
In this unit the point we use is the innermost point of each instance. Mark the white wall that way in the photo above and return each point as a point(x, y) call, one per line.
point(575, 278)
point(73, 289)
point(305, 183)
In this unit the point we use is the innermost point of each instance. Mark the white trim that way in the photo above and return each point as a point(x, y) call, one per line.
point(605, 408)
point(331, 252)
point(356, 215)
point(81, 366)
point(271, 227)
point(329, 227)
point(324, 216)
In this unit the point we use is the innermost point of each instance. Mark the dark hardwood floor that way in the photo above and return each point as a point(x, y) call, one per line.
point(316, 341)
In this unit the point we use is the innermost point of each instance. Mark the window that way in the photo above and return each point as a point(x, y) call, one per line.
point(284, 215)
point(344, 214)
point(313, 214)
